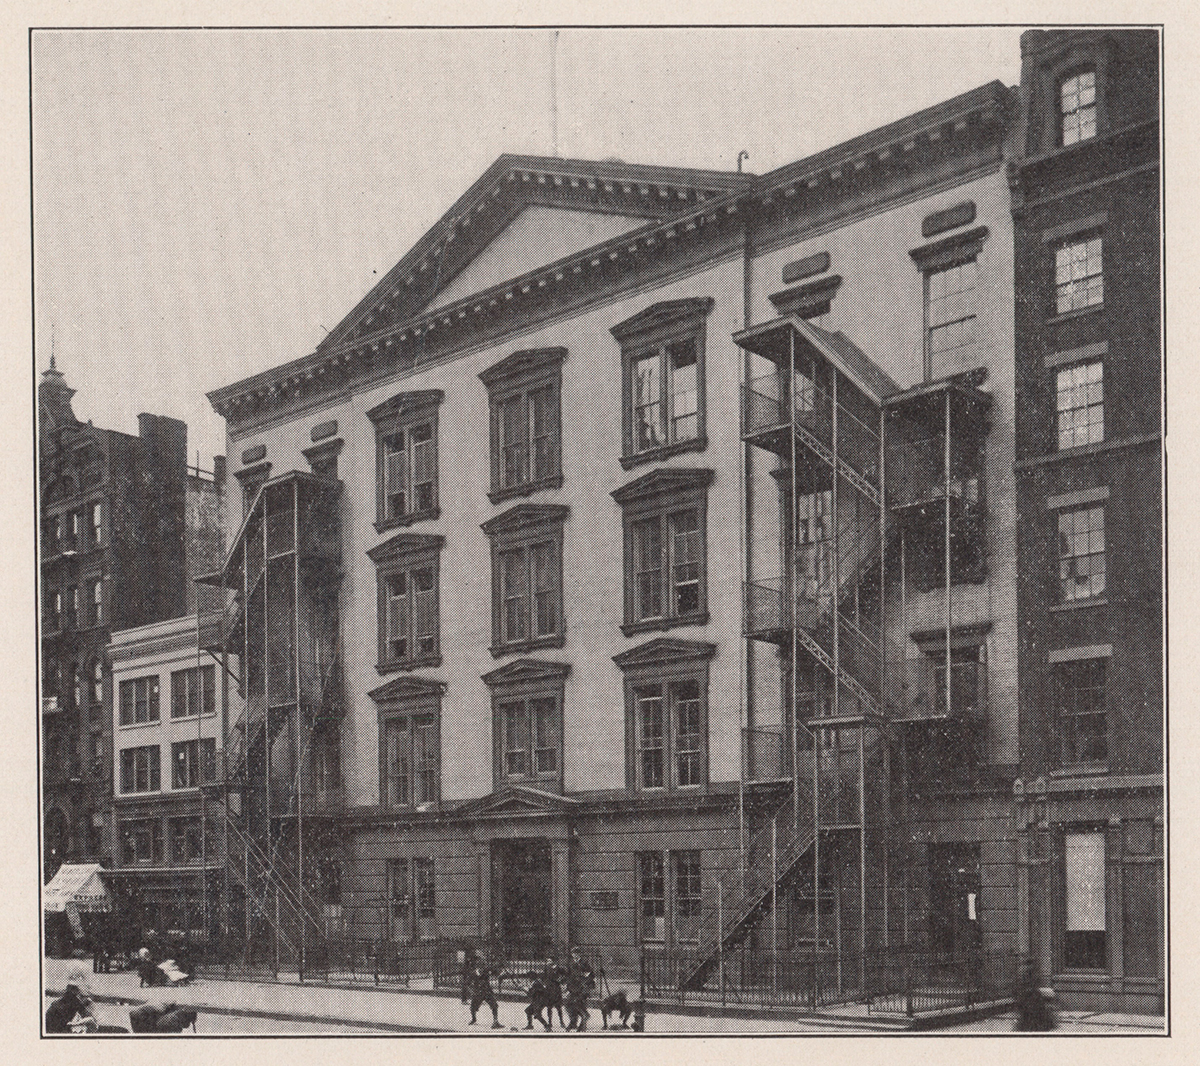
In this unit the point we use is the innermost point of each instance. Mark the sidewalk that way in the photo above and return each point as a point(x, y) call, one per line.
point(398, 1010)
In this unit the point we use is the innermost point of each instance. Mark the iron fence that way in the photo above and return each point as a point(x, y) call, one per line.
point(898, 980)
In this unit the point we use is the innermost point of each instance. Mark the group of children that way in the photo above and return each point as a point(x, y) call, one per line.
point(553, 989)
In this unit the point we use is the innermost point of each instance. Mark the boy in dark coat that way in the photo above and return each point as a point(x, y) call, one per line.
point(580, 982)
point(479, 984)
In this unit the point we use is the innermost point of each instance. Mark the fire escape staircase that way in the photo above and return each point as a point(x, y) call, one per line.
point(274, 890)
point(746, 895)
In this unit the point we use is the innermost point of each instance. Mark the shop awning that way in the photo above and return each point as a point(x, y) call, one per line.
point(76, 886)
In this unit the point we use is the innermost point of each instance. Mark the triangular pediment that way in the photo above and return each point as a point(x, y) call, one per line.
point(405, 544)
point(525, 361)
point(521, 213)
point(516, 800)
point(665, 650)
point(525, 516)
point(403, 402)
point(400, 689)
point(537, 235)
point(663, 315)
point(665, 481)
point(527, 671)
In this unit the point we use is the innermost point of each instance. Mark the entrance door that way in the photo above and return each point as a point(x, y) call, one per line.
point(522, 894)
point(954, 898)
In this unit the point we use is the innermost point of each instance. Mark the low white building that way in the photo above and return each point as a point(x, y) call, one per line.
point(168, 730)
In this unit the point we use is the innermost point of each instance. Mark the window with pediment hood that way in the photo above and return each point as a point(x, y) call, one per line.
point(406, 569)
point(527, 578)
point(525, 409)
point(662, 360)
point(527, 723)
point(410, 711)
point(665, 514)
point(666, 714)
point(406, 458)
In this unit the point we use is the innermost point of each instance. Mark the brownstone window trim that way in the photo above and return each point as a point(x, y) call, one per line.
point(664, 676)
point(663, 506)
point(406, 715)
point(388, 427)
point(524, 540)
point(526, 693)
point(407, 564)
point(534, 371)
point(658, 339)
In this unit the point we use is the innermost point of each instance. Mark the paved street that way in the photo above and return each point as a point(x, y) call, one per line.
point(243, 1008)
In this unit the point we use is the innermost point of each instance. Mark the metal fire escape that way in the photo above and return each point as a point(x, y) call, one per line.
point(282, 781)
point(816, 403)
point(867, 473)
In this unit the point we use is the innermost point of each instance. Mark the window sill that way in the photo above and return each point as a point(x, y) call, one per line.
point(514, 491)
point(651, 455)
point(652, 624)
point(1079, 605)
point(396, 666)
point(543, 783)
point(1083, 769)
point(192, 717)
point(139, 725)
point(383, 524)
point(1078, 312)
point(498, 650)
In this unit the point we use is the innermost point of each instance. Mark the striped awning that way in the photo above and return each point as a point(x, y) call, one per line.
point(78, 886)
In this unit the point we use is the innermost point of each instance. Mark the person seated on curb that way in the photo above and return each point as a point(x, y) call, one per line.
point(164, 1018)
point(71, 1012)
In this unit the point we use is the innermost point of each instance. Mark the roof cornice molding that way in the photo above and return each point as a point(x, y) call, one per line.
point(351, 354)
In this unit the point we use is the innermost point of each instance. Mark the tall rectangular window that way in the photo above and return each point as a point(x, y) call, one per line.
point(670, 734)
point(406, 466)
point(94, 590)
point(410, 761)
point(527, 607)
point(526, 413)
point(139, 701)
point(97, 524)
point(1081, 555)
point(1077, 107)
point(411, 900)
point(72, 619)
point(687, 895)
point(1080, 405)
point(652, 897)
point(531, 740)
point(409, 468)
point(950, 319)
point(399, 900)
point(1079, 274)
point(140, 771)
point(189, 844)
point(193, 762)
point(665, 566)
point(1085, 929)
point(193, 691)
point(409, 617)
point(662, 354)
point(1082, 710)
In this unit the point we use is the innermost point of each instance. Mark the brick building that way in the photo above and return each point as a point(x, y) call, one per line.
point(1090, 800)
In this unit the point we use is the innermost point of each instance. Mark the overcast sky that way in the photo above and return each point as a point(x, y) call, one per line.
point(208, 203)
